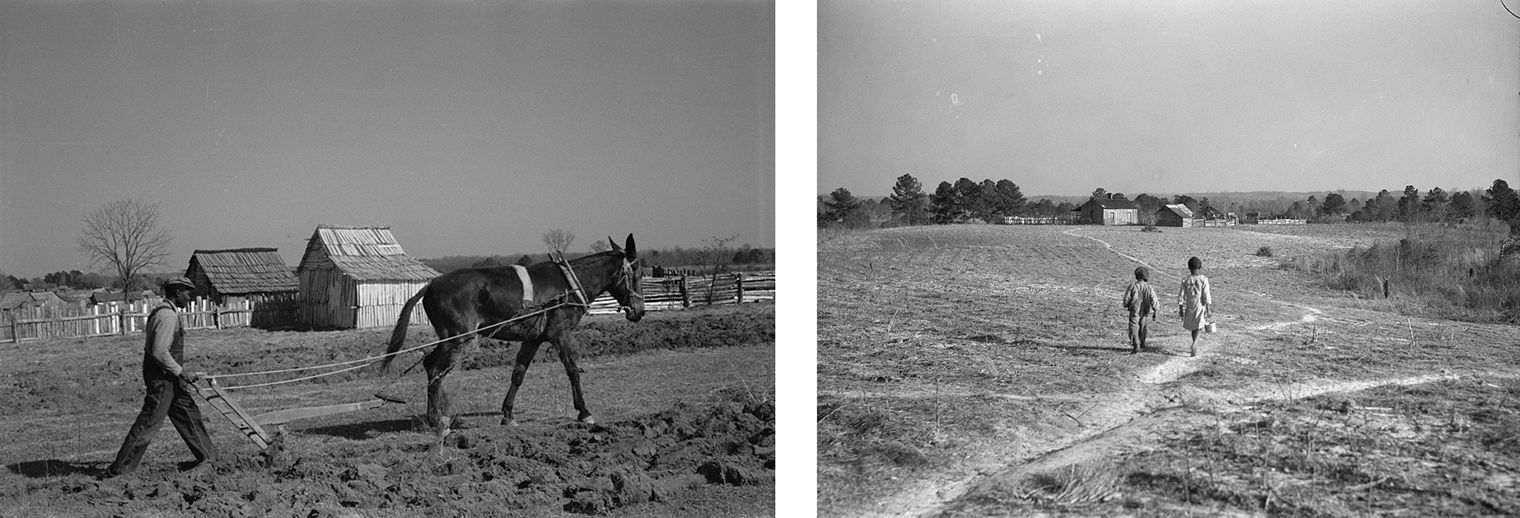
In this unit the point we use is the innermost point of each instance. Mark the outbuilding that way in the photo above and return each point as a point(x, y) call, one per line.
point(255, 275)
point(27, 300)
point(1108, 211)
point(1177, 215)
point(358, 277)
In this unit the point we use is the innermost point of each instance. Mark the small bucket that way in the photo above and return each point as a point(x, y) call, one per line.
point(1210, 327)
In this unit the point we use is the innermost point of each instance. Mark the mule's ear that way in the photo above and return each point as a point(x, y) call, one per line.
point(615, 248)
point(628, 248)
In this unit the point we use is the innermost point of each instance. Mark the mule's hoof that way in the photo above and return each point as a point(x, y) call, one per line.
point(507, 421)
point(588, 420)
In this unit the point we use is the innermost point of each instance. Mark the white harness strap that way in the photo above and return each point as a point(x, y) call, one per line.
point(527, 284)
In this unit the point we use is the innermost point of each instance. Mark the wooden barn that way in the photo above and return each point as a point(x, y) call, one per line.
point(1174, 216)
point(1108, 211)
point(358, 277)
point(256, 275)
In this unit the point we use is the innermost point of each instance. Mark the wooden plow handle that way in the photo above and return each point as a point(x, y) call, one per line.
point(240, 419)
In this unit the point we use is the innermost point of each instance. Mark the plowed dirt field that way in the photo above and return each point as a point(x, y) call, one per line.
point(685, 406)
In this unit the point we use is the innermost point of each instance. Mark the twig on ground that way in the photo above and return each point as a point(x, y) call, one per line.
point(1368, 485)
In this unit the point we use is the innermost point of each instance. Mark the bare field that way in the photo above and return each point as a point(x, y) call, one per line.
point(957, 363)
point(684, 401)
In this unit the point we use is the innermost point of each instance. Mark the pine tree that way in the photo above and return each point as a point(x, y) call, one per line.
point(909, 202)
point(945, 203)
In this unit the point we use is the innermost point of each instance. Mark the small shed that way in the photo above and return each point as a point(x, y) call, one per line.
point(1108, 211)
point(1177, 215)
point(27, 300)
point(256, 277)
point(358, 277)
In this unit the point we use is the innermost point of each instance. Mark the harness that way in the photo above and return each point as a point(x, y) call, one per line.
point(576, 294)
point(625, 275)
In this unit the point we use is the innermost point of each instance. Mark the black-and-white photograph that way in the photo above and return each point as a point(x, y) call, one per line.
point(1154, 258)
point(388, 258)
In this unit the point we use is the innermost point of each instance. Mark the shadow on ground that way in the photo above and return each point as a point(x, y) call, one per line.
point(55, 468)
point(365, 430)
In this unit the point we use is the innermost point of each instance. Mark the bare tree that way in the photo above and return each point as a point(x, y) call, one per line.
point(127, 235)
point(715, 255)
point(558, 240)
point(599, 246)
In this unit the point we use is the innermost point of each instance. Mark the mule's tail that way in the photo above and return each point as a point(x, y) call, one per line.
point(398, 336)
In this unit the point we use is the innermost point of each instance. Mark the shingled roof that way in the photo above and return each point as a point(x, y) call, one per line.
point(245, 270)
point(16, 299)
point(1179, 209)
point(1107, 203)
point(364, 253)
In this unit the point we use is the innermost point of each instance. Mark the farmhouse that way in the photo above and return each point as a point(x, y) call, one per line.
point(357, 277)
point(1174, 216)
point(257, 275)
point(1108, 211)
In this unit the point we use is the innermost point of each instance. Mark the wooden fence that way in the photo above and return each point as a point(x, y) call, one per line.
point(1036, 220)
point(662, 293)
point(118, 318)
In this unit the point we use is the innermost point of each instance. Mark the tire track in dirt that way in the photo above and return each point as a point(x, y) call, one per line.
point(1134, 413)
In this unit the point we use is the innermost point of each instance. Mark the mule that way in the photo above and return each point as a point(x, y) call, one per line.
point(469, 300)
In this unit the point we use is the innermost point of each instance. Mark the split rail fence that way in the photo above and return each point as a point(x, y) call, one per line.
point(118, 318)
point(662, 293)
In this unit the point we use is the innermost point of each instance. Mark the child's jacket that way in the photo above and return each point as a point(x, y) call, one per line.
point(1140, 299)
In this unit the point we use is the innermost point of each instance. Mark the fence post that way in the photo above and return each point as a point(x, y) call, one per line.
point(739, 288)
point(685, 295)
point(15, 338)
point(216, 314)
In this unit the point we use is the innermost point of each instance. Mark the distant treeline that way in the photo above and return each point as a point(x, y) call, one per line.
point(989, 201)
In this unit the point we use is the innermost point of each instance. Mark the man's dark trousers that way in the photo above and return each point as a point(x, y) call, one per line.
point(170, 398)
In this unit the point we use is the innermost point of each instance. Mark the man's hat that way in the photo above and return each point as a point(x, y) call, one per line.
point(180, 282)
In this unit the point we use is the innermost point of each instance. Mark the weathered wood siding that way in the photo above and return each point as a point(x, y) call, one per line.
point(1167, 218)
point(379, 303)
point(325, 298)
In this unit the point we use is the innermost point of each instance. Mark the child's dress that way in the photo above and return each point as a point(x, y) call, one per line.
point(1193, 300)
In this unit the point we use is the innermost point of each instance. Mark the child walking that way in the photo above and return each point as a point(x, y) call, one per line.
point(1194, 301)
point(1140, 300)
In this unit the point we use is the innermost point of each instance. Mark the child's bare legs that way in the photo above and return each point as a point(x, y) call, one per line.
point(1193, 350)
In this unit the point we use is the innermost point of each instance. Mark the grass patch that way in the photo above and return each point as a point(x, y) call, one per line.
point(1469, 273)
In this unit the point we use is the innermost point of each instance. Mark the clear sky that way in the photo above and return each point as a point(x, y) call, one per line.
point(469, 128)
point(1064, 97)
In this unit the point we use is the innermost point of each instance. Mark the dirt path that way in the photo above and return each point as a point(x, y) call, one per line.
point(1128, 417)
